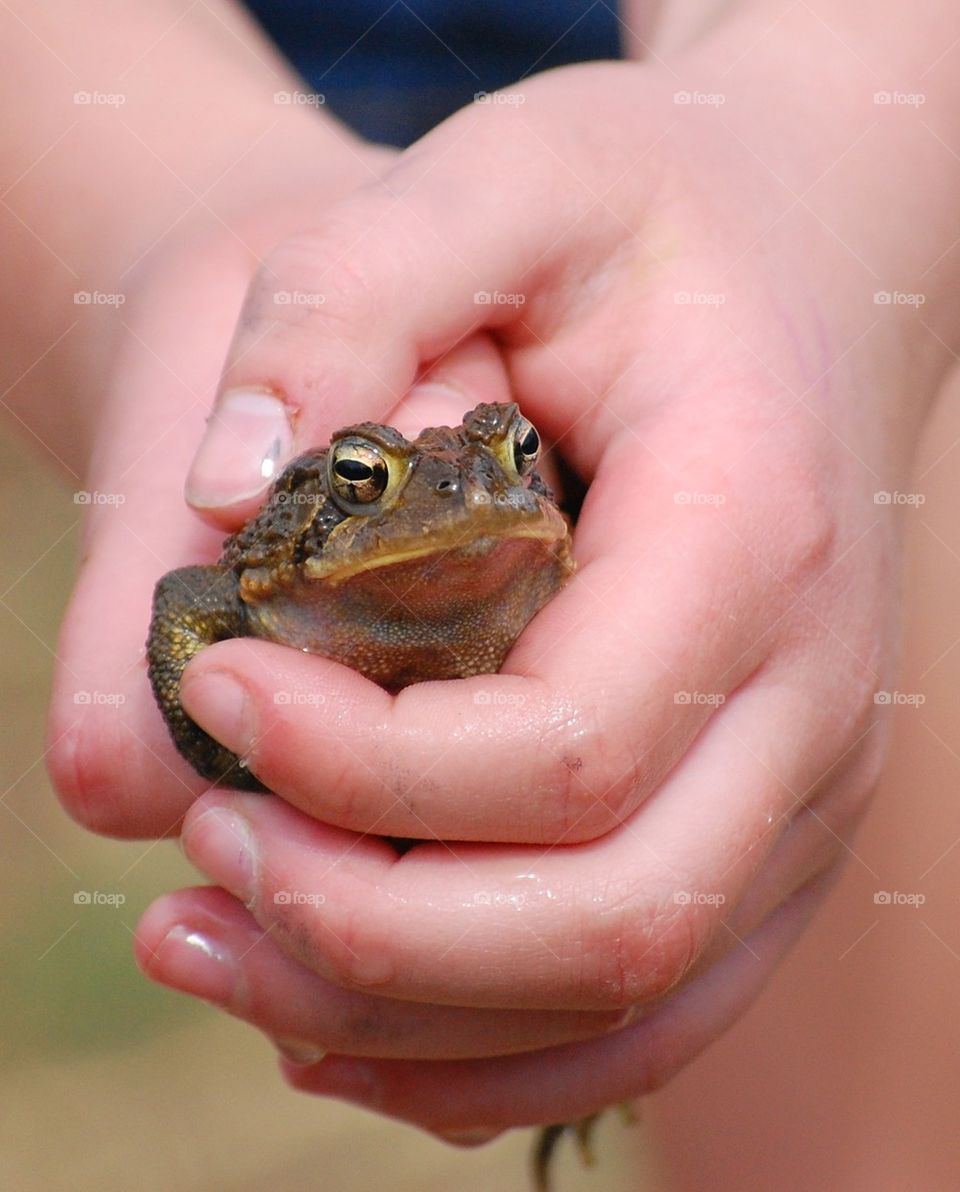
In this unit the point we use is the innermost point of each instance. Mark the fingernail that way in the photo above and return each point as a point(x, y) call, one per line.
point(221, 843)
point(195, 962)
point(248, 439)
point(220, 703)
point(629, 1016)
point(298, 1051)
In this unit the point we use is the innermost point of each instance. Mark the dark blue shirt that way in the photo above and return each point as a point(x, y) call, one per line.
point(394, 68)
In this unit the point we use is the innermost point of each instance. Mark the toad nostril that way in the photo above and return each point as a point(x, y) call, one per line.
point(446, 486)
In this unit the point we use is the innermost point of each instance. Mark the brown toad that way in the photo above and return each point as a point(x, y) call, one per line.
point(404, 560)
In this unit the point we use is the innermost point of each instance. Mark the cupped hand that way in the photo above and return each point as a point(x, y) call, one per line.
point(650, 798)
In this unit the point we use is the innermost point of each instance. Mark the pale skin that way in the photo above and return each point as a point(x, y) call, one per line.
point(731, 550)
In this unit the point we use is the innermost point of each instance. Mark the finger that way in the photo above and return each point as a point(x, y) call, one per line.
point(339, 319)
point(605, 691)
point(574, 1081)
point(205, 943)
point(619, 921)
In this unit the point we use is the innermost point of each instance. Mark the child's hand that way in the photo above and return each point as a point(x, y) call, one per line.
point(683, 739)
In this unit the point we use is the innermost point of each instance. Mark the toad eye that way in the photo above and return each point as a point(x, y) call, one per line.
point(357, 472)
point(526, 446)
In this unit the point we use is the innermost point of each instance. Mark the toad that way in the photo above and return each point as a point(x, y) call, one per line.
point(406, 561)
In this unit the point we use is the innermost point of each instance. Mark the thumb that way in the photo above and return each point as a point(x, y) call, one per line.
point(340, 319)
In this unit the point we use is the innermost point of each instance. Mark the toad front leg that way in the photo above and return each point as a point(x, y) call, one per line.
point(192, 608)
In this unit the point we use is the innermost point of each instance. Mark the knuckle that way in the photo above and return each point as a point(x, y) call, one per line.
point(594, 779)
point(335, 278)
point(87, 773)
point(646, 948)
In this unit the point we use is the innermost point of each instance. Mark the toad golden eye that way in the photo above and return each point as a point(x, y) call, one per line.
point(358, 473)
point(526, 446)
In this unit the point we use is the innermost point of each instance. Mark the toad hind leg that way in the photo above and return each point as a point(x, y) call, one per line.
point(582, 1130)
point(192, 608)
